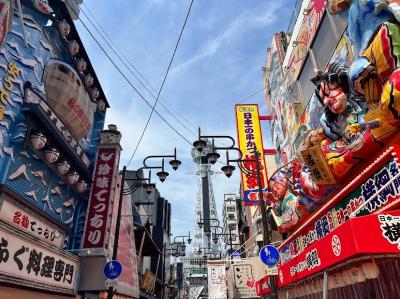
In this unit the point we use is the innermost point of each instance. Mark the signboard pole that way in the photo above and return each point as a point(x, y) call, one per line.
point(266, 234)
point(325, 286)
point(117, 227)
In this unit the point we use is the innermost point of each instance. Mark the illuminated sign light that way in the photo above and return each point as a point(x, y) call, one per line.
point(250, 137)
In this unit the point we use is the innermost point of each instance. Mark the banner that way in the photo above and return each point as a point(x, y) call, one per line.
point(37, 265)
point(216, 280)
point(380, 189)
point(348, 240)
point(249, 138)
point(100, 197)
point(27, 221)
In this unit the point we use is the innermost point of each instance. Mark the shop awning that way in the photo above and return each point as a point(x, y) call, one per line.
point(372, 234)
point(149, 247)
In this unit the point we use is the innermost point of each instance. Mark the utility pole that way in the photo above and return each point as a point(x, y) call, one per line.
point(266, 232)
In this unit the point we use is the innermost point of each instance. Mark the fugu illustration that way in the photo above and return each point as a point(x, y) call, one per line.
point(70, 202)
point(32, 194)
point(20, 172)
point(41, 176)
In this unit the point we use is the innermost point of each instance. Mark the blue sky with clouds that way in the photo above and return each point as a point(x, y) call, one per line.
point(218, 63)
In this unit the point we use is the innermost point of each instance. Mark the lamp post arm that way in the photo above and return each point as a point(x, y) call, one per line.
point(181, 237)
point(211, 219)
point(219, 137)
point(157, 156)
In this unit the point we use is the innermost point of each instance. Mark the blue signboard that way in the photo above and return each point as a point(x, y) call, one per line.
point(269, 255)
point(233, 252)
point(112, 269)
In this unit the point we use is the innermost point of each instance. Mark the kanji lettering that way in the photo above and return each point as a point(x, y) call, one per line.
point(368, 189)
point(47, 267)
point(17, 218)
point(102, 182)
point(34, 262)
point(103, 169)
point(25, 221)
point(59, 270)
point(391, 231)
point(69, 273)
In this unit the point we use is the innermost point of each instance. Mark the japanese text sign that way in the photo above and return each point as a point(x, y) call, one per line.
point(316, 163)
point(28, 261)
point(250, 138)
point(345, 242)
point(29, 223)
point(216, 280)
point(100, 196)
point(380, 189)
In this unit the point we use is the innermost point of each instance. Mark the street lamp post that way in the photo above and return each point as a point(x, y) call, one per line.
point(228, 169)
point(162, 174)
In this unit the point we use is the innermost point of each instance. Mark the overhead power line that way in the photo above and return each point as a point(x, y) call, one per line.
point(133, 70)
point(130, 83)
point(163, 82)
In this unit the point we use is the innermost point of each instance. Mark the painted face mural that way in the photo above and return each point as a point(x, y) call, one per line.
point(333, 96)
point(278, 188)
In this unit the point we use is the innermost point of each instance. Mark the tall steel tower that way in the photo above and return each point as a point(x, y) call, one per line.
point(205, 208)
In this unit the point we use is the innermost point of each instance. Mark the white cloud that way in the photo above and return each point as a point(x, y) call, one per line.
point(242, 24)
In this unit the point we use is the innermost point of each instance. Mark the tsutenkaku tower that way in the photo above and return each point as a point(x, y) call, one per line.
point(205, 207)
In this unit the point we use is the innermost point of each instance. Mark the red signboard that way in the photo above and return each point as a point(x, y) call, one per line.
point(375, 189)
point(100, 197)
point(263, 286)
point(347, 241)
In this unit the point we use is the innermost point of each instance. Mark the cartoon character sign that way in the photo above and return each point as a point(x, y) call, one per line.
point(288, 208)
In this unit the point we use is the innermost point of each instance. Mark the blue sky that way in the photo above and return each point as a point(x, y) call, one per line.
point(218, 63)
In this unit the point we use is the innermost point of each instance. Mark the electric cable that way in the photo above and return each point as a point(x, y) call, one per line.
point(130, 83)
point(252, 95)
point(130, 65)
point(163, 82)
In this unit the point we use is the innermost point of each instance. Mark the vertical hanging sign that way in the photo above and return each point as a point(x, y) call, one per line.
point(249, 138)
point(100, 197)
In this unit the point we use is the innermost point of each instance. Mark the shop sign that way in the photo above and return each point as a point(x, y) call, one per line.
point(178, 249)
point(345, 242)
point(34, 99)
point(263, 286)
point(148, 281)
point(100, 197)
point(40, 266)
point(317, 165)
point(249, 138)
point(381, 189)
point(216, 280)
point(26, 221)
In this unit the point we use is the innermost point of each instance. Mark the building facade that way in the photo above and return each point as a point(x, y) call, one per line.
point(51, 113)
point(320, 188)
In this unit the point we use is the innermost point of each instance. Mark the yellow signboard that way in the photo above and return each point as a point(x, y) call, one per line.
point(319, 168)
point(250, 138)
